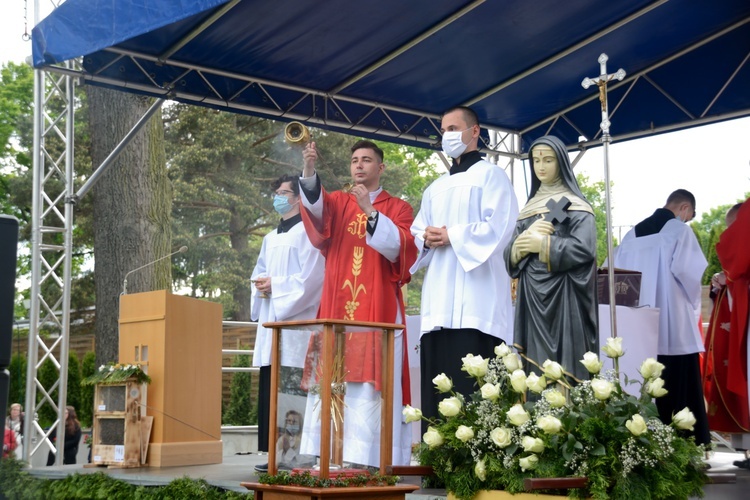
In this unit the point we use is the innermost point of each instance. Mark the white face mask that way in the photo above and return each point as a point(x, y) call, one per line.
point(453, 146)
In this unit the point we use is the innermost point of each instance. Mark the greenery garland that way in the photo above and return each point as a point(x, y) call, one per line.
point(116, 373)
point(308, 480)
point(17, 484)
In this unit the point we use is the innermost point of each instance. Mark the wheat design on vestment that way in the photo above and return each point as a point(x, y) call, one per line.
point(352, 305)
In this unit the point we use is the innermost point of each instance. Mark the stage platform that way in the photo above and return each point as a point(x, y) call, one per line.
point(239, 468)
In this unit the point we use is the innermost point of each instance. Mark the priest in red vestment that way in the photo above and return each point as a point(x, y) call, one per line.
point(725, 368)
point(364, 234)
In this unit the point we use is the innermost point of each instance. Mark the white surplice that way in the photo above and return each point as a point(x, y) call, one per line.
point(466, 284)
point(296, 269)
point(672, 265)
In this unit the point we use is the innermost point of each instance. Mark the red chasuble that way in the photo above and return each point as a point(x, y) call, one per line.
point(727, 411)
point(731, 377)
point(361, 284)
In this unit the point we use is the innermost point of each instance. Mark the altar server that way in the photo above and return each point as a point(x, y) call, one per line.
point(465, 221)
point(288, 278)
point(667, 253)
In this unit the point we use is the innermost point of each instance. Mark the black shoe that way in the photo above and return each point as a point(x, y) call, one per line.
point(742, 464)
point(262, 468)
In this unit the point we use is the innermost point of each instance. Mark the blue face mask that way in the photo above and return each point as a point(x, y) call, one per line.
point(292, 429)
point(281, 204)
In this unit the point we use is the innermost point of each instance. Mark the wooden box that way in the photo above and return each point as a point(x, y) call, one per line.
point(118, 437)
point(627, 287)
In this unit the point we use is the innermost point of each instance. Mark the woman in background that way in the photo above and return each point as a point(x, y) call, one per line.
point(72, 438)
point(14, 421)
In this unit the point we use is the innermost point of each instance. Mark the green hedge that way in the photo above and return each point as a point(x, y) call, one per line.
point(17, 484)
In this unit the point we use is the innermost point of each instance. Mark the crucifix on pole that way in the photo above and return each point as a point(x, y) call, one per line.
point(601, 83)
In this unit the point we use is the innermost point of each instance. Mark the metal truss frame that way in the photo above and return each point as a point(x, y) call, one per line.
point(51, 259)
point(327, 110)
point(633, 79)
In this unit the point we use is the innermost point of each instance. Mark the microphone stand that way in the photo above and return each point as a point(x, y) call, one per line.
point(182, 249)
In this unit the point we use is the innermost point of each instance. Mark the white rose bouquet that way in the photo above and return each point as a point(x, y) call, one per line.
point(520, 425)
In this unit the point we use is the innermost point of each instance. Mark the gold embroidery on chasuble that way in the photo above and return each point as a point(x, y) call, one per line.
point(357, 228)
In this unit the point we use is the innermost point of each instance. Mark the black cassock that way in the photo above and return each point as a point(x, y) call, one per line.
point(556, 306)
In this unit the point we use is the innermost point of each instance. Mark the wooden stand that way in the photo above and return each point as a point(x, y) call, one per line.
point(332, 345)
point(333, 339)
point(119, 430)
point(179, 340)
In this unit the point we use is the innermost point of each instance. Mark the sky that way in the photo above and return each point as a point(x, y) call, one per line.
point(712, 161)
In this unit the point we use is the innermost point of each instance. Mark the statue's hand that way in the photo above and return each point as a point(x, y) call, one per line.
point(528, 242)
point(541, 227)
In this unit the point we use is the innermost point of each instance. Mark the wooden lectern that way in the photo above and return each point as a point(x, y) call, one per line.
point(179, 340)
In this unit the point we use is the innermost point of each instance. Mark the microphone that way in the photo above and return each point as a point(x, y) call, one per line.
point(182, 249)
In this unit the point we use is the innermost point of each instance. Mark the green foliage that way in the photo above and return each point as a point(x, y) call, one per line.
point(17, 484)
point(186, 487)
point(74, 382)
point(86, 410)
point(241, 410)
point(594, 193)
point(48, 376)
point(16, 98)
point(707, 230)
point(17, 369)
point(307, 480)
point(90, 486)
point(408, 172)
point(222, 164)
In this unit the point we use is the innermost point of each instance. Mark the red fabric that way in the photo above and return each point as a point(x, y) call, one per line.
point(727, 411)
point(9, 442)
point(735, 261)
point(361, 284)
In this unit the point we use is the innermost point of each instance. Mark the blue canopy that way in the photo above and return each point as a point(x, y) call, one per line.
point(388, 68)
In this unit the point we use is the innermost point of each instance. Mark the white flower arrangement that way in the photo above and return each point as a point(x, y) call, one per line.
point(519, 425)
point(116, 373)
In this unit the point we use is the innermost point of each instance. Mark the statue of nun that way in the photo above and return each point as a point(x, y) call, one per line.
point(555, 263)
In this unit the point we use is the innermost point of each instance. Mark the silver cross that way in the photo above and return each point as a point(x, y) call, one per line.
point(601, 82)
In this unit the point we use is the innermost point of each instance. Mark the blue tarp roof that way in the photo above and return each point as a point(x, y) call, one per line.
point(388, 68)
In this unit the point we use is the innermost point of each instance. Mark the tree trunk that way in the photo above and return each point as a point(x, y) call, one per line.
point(241, 293)
point(132, 209)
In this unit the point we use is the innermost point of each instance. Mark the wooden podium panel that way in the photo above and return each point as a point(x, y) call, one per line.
point(179, 340)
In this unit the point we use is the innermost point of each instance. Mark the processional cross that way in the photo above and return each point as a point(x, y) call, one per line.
point(601, 83)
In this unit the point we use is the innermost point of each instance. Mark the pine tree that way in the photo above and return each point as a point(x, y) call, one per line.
point(241, 410)
point(86, 410)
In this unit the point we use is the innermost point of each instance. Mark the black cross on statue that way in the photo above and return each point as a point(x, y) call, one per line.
point(558, 210)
